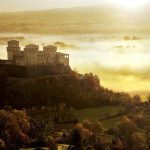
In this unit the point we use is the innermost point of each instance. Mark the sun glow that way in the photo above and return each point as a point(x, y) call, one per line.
point(132, 4)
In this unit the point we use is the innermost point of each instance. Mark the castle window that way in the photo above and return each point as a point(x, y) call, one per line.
point(66, 56)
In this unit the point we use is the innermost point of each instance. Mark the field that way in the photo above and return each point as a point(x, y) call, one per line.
point(100, 113)
point(106, 114)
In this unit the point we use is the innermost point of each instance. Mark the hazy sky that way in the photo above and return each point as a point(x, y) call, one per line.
point(24, 5)
point(17, 5)
point(130, 60)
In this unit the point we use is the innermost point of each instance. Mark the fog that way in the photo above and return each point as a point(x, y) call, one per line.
point(122, 64)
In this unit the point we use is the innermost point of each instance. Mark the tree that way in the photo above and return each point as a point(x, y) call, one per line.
point(52, 144)
point(95, 127)
point(2, 145)
point(148, 136)
point(76, 138)
point(138, 142)
point(14, 126)
point(148, 98)
point(117, 144)
point(126, 128)
point(136, 99)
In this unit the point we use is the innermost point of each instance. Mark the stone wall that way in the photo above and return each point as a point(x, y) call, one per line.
point(34, 71)
point(31, 55)
point(15, 70)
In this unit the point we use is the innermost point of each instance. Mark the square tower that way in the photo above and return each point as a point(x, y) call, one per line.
point(13, 49)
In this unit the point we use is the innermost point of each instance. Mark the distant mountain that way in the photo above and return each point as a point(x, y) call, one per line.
point(94, 19)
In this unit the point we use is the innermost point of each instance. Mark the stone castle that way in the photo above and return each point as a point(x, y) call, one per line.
point(31, 55)
point(32, 62)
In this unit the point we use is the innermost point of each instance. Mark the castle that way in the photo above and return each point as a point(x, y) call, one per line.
point(32, 56)
point(32, 62)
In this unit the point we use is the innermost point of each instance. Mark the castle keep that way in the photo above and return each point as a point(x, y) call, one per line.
point(31, 55)
point(32, 62)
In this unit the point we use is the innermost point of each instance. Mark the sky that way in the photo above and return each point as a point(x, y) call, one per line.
point(25, 5)
point(18, 5)
point(130, 71)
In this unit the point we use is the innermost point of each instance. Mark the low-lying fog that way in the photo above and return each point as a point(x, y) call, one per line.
point(121, 61)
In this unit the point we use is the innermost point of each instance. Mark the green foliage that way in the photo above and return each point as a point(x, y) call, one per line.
point(97, 113)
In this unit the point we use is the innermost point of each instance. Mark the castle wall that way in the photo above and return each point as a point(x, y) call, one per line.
point(15, 70)
point(51, 59)
point(20, 61)
point(32, 63)
point(31, 56)
point(63, 59)
point(50, 52)
point(12, 51)
point(18, 71)
point(41, 59)
point(19, 58)
point(42, 70)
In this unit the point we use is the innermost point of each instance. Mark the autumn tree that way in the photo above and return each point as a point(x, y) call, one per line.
point(136, 99)
point(126, 128)
point(148, 136)
point(148, 98)
point(14, 126)
point(138, 142)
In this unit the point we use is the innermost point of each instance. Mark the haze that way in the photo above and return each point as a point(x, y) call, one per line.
point(110, 38)
point(22, 5)
point(25, 5)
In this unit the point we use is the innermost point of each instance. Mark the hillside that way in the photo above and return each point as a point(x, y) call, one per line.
point(93, 19)
point(75, 90)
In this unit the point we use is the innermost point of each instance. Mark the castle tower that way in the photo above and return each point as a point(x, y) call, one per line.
point(31, 52)
point(62, 58)
point(50, 49)
point(12, 49)
point(50, 52)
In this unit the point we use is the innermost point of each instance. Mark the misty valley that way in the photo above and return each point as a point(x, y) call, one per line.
point(74, 75)
point(74, 110)
point(118, 59)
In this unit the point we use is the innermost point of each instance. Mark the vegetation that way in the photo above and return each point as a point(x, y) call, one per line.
point(97, 118)
point(99, 113)
point(14, 126)
point(74, 90)
point(36, 127)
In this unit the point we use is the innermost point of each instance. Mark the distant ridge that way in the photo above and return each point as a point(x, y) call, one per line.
point(92, 19)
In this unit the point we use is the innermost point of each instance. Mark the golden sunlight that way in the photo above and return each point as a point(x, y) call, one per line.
point(131, 4)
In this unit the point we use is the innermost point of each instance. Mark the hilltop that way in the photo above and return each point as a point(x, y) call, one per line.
point(92, 19)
